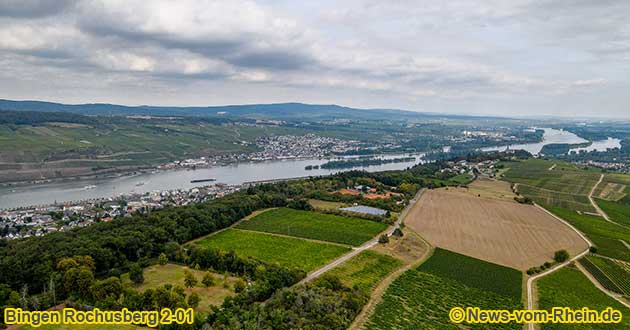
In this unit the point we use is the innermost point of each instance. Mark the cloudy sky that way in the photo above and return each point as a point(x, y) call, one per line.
point(517, 57)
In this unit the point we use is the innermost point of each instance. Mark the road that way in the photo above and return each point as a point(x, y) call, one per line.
point(313, 275)
point(530, 281)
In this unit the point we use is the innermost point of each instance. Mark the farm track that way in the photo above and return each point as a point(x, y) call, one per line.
point(298, 237)
point(377, 294)
point(318, 272)
point(593, 280)
point(597, 208)
point(255, 213)
point(530, 281)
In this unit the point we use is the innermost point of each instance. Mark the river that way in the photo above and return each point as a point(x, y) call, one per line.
point(229, 174)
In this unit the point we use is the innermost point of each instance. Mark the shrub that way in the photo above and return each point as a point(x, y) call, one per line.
point(193, 300)
point(208, 279)
point(561, 256)
point(189, 279)
point(384, 239)
point(162, 259)
point(136, 274)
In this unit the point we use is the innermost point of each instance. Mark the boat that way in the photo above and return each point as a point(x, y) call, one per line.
point(203, 180)
point(139, 184)
point(89, 187)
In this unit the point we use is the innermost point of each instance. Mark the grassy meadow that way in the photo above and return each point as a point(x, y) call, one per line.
point(313, 225)
point(365, 270)
point(158, 275)
point(287, 251)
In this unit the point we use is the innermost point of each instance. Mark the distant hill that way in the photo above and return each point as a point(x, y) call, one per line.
point(278, 111)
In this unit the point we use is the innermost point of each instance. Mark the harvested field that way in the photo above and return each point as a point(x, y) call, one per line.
point(506, 233)
point(492, 189)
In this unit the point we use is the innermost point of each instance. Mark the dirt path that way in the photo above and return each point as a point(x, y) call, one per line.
point(595, 206)
point(617, 297)
point(377, 293)
point(552, 167)
point(530, 281)
point(315, 274)
point(255, 213)
point(625, 243)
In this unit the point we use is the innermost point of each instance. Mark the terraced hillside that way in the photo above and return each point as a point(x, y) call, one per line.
point(564, 185)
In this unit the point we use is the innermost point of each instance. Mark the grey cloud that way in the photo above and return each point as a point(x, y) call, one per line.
point(33, 8)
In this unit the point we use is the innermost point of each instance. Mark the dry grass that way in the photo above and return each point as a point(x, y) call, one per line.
point(506, 233)
point(492, 189)
point(325, 205)
point(158, 275)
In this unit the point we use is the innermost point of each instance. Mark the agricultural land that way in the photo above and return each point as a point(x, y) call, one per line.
point(287, 251)
point(313, 225)
point(569, 287)
point(492, 229)
point(422, 297)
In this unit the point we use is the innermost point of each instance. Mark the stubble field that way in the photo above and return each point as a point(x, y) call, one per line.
point(507, 233)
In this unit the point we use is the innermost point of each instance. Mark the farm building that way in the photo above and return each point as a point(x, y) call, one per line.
point(364, 210)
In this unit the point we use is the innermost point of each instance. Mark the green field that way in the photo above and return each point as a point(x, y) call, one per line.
point(313, 225)
point(605, 235)
point(421, 298)
point(618, 211)
point(158, 275)
point(569, 287)
point(474, 272)
point(614, 275)
point(289, 252)
point(565, 186)
point(365, 269)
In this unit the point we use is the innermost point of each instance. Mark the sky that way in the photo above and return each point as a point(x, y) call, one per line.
point(491, 57)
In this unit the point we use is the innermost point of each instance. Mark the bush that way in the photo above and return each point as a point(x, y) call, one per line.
point(193, 300)
point(136, 274)
point(384, 239)
point(397, 232)
point(592, 249)
point(162, 259)
point(561, 256)
point(300, 204)
point(189, 279)
point(208, 279)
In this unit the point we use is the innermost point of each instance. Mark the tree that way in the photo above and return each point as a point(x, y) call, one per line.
point(239, 286)
point(561, 256)
point(136, 274)
point(193, 300)
point(162, 259)
point(384, 239)
point(208, 279)
point(189, 279)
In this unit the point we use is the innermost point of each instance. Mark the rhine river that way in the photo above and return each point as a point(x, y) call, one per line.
point(229, 174)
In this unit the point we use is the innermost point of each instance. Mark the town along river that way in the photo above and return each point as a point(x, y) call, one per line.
point(232, 174)
point(238, 173)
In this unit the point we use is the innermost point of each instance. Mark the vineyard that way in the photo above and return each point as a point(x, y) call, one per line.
point(613, 275)
point(569, 287)
point(474, 273)
point(421, 298)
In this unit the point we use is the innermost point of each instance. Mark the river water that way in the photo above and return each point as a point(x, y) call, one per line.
point(229, 174)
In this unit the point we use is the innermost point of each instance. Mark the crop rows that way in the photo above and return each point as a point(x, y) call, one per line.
point(600, 276)
point(475, 273)
point(617, 272)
